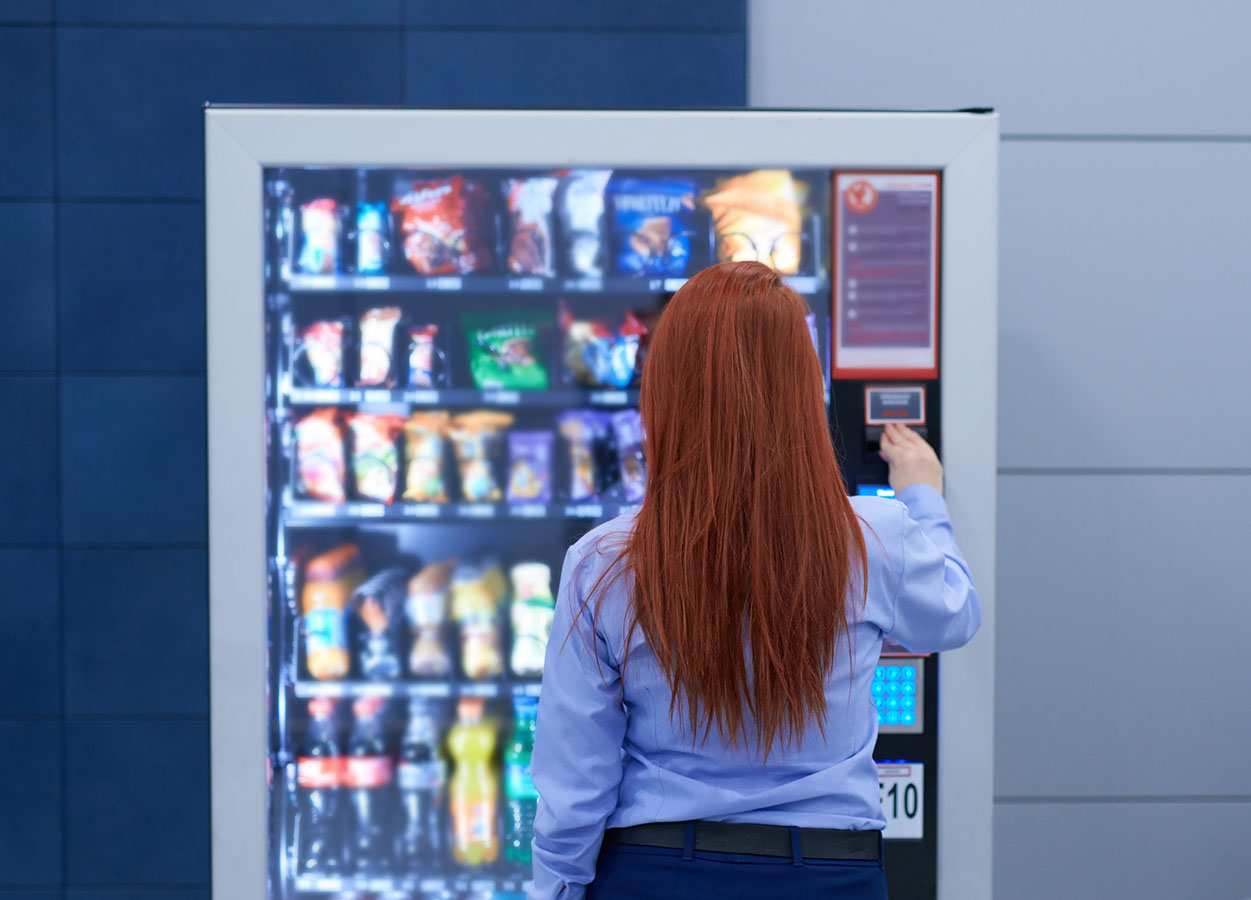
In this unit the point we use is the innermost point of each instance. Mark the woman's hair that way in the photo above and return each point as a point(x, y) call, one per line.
point(746, 550)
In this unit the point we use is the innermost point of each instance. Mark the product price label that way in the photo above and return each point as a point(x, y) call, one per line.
point(327, 630)
point(368, 771)
point(319, 771)
point(420, 776)
point(902, 787)
point(518, 783)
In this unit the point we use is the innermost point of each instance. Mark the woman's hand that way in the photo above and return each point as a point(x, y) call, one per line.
point(911, 459)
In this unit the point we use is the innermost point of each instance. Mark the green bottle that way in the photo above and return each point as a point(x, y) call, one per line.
point(521, 797)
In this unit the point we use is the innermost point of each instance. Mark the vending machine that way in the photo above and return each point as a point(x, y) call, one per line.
point(426, 330)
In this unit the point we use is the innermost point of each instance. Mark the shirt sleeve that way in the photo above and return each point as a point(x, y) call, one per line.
point(936, 606)
point(577, 747)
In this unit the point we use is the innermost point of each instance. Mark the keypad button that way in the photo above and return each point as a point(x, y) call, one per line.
point(908, 687)
point(892, 687)
point(878, 688)
point(909, 673)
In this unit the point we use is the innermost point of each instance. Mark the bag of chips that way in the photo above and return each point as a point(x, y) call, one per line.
point(530, 466)
point(582, 430)
point(320, 465)
point(530, 218)
point(375, 458)
point(319, 228)
point(651, 225)
point(378, 347)
point(443, 224)
point(423, 446)
point(475, 440)
point(627, 427)
point(423, 356)
point(504, 352)
point(320, 348)
point(757, 217)
point(582, 221)
point(596, 356)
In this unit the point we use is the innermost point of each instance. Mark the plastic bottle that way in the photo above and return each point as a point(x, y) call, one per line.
point(522, 798)
point(369, 782)
point(474, 787)
point(319, 780)
point(533, 609)
point(420, 784)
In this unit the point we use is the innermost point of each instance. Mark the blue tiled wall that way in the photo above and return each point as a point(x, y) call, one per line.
point(103, 660)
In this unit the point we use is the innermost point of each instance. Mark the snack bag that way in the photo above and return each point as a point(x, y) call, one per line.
point(329, 580)
point(627, 427)
point(423, 441)
point(375, 460)
point(530, 466)
point(582, 221)
point(530, 215)
point(505, 353)
point(379, 603)
point(372, 247)
point(321, 346)
point(595, 356)
point(443, 224)
point(582, 431)
point(532, 613)
point(651, 225)
point(426, 608)
point(422, 356)
point(319, 456)
point(757, 217)
point(478, 589)
point(474, 439)
point(378, 347)
point(319, 228)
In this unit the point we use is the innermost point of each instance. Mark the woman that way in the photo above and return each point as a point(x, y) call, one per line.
point(706, 727)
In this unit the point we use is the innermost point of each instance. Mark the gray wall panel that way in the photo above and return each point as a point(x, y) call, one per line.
point(1125, 304)
point(1061, 67)
point(1121, 626)
point(1143, 851)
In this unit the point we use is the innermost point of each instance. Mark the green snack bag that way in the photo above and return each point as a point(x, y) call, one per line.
point(504, 352)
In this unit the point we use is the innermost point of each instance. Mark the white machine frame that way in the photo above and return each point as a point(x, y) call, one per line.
point(241, 142)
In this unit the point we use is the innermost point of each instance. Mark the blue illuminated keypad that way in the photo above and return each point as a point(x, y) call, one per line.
point(897, 695)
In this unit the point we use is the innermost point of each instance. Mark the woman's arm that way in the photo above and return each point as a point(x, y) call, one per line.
point(577, 747)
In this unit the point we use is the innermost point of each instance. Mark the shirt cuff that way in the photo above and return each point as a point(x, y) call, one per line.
point(923, 501)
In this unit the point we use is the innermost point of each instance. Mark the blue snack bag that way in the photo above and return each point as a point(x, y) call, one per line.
point(651, 225)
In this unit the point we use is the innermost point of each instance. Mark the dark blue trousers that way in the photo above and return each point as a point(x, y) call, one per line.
point(628, 872)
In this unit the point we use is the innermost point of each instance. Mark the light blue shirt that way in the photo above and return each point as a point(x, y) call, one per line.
point(608, 755)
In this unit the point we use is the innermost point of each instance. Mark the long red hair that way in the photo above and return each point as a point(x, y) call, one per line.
point(746, 550)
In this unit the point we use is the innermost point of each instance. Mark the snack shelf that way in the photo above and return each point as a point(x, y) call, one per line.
point(305, 689)
point(500, 284)
point(557, 399)
point(312, 512)
point(412, 887)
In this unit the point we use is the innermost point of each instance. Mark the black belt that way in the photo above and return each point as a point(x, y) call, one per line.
point(759, 840)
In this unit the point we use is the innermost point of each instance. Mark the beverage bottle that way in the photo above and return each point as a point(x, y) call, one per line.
point(319, 780)
point(426, 607)
point(533, 609)
point(522, 798)
point(369, 783)
point(420, 782)
point(474, 786)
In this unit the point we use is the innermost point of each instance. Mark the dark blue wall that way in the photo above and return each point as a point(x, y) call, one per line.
point(103, 660)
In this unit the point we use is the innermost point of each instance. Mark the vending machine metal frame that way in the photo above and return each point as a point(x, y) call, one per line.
point(240, 142)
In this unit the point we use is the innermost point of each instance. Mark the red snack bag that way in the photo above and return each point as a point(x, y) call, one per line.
point(319, 456)
point(442, 225)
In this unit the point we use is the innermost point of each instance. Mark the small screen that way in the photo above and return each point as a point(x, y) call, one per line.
point(874, 490)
